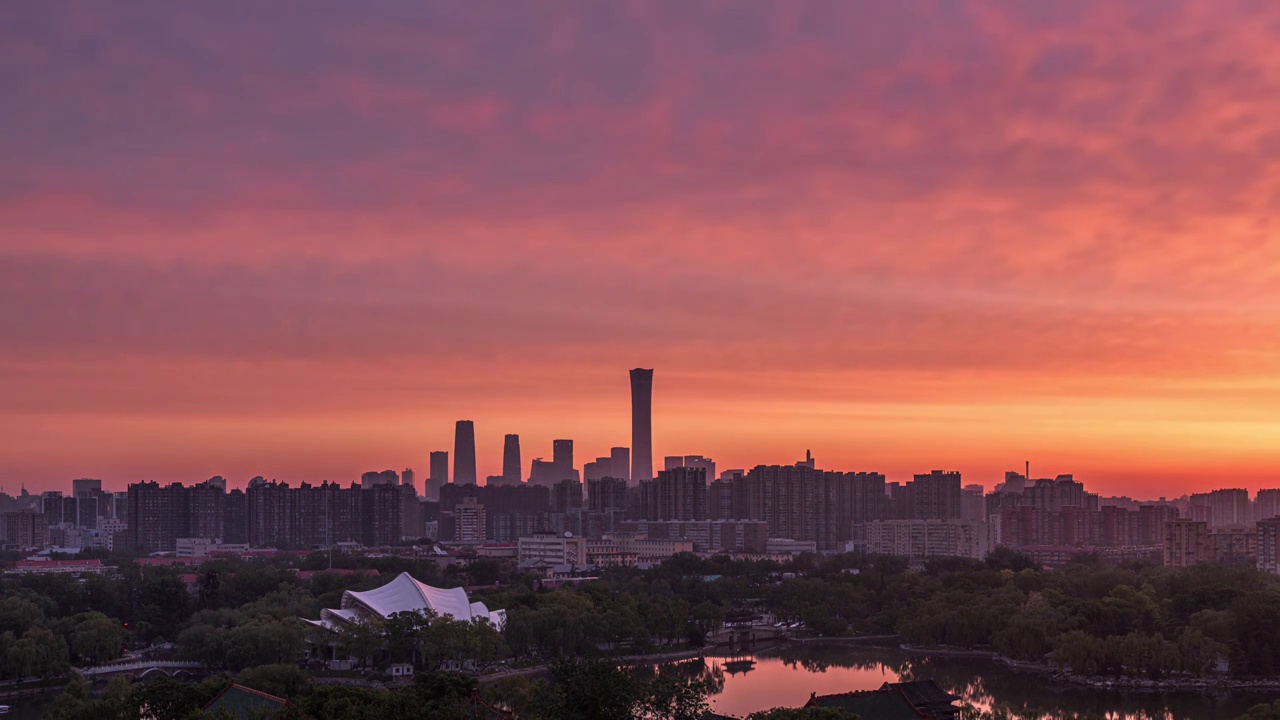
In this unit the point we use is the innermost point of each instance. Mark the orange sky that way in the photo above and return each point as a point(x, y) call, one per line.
point(301, 241)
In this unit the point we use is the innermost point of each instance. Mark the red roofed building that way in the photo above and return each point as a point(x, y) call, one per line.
point(30, 567)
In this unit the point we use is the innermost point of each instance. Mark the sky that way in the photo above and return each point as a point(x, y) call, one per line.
point(301, 239)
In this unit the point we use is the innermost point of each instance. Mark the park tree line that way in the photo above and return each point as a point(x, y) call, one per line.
point(1089, 617)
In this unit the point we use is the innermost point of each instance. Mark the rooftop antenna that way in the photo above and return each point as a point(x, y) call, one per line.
point(1028, 471)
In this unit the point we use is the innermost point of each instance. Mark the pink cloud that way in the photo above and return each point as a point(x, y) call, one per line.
point(868, 219)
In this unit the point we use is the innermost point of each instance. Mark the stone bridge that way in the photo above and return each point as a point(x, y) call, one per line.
point(144, 670)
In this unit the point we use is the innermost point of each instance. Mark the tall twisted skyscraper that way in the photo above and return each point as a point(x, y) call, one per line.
point(641, 425)
point(464, 453)
point(511, 459)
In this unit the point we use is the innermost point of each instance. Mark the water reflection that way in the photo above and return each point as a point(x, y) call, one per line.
point(787, 677)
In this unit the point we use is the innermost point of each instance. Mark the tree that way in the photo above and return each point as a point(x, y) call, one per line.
point(95, 638)
point(1080, 651)
point(286, 681)
point(1262, 712)
point(39, 654)
point(362, 640)
point(673, 694)
point(483, 643)
point(442, 639)
point(1006, 558)
point(443, 694)
point(75, 703)
point(809, 713)
point(590, 690)
point(17, 614)
point(401, 631)
point(168, 698)
point(262, 641)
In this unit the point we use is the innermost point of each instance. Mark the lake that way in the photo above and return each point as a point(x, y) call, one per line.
point(28, 708)
point(787, 677)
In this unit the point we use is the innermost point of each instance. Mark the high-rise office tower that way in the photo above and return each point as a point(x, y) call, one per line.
point(438, 475)
point(562, 456)
point(706, 463)
point(84, 486)
point(601, 467)
point(621, 463)
point(464, 453)
point(406, 477)
point(641, 425)
point(374, 477)
point(51, 505)
point(511, 459)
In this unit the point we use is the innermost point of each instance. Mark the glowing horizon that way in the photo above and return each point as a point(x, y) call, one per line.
point(301, 241)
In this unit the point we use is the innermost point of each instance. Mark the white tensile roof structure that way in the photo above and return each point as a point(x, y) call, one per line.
point(405, 594)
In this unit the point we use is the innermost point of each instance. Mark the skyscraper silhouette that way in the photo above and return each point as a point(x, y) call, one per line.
point(439, 467)
point(439, 475)
point(641, 425)
point(621, 463)
point(464, 453)
point(511, 459)
point(562, 456)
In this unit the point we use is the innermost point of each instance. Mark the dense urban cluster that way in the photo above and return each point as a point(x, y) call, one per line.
point(617, 510)
point(764, 512)
point(278, 585)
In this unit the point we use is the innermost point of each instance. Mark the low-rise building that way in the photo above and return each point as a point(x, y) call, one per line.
point(932, 538)
point(787, 546)
point(60, 567)
point(206, 547)
point(647, 549)
point(708, 536)
point(499, 550)
point(554, 549)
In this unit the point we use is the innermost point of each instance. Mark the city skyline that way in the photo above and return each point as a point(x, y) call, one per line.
point(476, 462)
point(957, 235)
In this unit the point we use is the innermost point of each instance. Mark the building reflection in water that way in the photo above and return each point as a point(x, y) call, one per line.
point(787, 677)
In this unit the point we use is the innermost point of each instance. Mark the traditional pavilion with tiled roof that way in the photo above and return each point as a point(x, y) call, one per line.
point(243, 702)
point(928, 698)
point(878, 704)
point(914, 700)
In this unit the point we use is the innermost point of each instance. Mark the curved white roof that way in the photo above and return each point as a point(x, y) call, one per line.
point(405, 594)
point(347, 616)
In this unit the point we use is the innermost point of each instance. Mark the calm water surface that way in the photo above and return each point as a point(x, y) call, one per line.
point(786, 678)
point(28, 708)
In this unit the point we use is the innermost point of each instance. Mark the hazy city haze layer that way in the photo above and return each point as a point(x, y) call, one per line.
point(302, 240)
